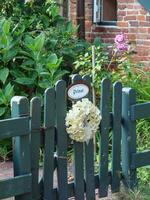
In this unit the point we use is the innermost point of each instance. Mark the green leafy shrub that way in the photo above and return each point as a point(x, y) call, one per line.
point(83, 64)
point(37, 47)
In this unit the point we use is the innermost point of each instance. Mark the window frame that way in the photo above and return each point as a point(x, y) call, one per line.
point(99, 8)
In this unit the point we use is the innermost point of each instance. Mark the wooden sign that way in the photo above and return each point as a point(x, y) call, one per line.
point(78, 91)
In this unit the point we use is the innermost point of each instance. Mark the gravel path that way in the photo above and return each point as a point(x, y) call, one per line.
point(6, 171)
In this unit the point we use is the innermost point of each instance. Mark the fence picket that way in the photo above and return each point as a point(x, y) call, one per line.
point(78, 161)
point(89, 159)
point(21, 145)
point(104, 134)
point(24, 128)
point(128, 137)
point(61, 140)
point(35, 113)
point(116, 136)
point(49, 142)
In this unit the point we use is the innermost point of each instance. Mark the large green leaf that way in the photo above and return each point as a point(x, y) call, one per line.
point(59, 73)
point(53, 58)
point(39, 42)
point(29, 43)
point(9, 55)
point(25, 81)
point(53, 42)
point(6, 27)
point(28, 62)
point(3, 40)
point(16, 73)
point(3, 99)
point(2, 110)
point(9, 91)
point(44, 83)
point(44, 74)
point(28, 65)
point(4, 74)
point(53, 61)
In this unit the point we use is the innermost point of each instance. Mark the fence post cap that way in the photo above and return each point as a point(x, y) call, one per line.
point(18, 99)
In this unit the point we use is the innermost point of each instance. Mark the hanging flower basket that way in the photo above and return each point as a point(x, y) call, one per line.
point(82, 121)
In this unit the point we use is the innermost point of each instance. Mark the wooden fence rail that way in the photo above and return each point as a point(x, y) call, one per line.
point(118, 159)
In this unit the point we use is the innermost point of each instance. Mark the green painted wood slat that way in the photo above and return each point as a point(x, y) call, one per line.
point(15, 186)
point(78, 161)
point(140, 111)
point(104, 137)
point(49, 143)
point(21, 145)
point(140, 159)
point(89, 157)
point(128, 146)
point(71, 187)
point(61, 108)
point(116, 136)
point(35, 113)
point(8, 127)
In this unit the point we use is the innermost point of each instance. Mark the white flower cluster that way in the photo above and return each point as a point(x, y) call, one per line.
point(83, 120)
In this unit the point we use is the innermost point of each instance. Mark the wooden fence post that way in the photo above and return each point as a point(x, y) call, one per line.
point(116, 136)
point(35, 112)
point(89, 158)
point(78, 161)
point(21, 145)
point(62, 140)
point(104, 135)
point(49, 142)
point(128, 137)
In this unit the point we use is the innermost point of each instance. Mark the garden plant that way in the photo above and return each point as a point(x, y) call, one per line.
point(38, 47)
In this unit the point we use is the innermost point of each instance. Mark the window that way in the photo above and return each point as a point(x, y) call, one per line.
point(105, 12)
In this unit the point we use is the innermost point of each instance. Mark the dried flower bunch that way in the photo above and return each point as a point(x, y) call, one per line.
point(83, 121)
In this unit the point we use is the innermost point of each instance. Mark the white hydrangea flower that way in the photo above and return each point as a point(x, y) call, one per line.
point(82, 121)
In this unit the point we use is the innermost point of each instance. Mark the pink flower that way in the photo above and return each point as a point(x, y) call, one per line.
point(120, 38)
point(121, 44)
point(122, 47)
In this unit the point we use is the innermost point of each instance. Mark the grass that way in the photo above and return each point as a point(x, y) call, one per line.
point(143, 193)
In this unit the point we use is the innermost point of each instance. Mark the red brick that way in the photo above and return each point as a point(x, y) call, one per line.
point(128, 18)
point(144, 24)
point(134, 23)
point(133, 20)
point(143, 30)
point(122, 6)
point(122, 13)
point(132, 12)
point(141, 17)
point(122, 24)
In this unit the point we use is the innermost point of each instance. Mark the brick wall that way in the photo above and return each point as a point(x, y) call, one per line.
point(133, 20)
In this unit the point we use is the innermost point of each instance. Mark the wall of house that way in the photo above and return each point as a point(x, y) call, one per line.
point(132, 19)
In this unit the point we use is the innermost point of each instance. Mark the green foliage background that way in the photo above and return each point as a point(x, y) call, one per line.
point(37, 47)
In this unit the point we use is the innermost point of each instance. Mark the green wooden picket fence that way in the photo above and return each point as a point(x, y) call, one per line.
point(29, 134)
